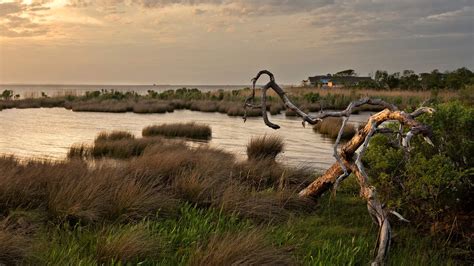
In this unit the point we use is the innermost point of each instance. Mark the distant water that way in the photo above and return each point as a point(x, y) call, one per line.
point(48, 133)
point(33, 91)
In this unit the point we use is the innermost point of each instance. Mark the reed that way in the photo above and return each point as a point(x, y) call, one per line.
point(14, 248)
point(249, 248)
point(330, 127)
point(179, 130)
point(113, 136)
point(204, 106)
point(127, 244)
point(240, 111)
point(265, 147)
point(152, 107)
point(109, 106)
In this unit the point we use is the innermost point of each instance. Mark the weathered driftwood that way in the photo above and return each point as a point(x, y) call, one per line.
point(348, 160)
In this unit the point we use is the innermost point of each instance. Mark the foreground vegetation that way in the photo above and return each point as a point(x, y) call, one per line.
point(166, 203)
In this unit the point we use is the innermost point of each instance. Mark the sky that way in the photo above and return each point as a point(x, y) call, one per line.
point(227, 41)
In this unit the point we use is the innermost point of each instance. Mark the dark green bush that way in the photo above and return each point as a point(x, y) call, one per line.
point(430, 185)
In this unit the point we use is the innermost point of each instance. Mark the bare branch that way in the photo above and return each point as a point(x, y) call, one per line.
point(422, 110)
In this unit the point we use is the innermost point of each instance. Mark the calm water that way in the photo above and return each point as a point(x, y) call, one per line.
point(48, 133)
point(33, 91)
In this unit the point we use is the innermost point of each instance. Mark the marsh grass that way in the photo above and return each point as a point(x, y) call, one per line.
point(109, 106)
point(330, 127)
point(265, 147)
point(145, 107)
point(178, 205)
point(204, 106)
point(249, 248)
point(127, 244)
point(119, 148)
point(113, 135)
point(181, 130)
point(14, 247)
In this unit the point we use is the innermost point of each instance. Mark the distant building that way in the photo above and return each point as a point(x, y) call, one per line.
point(336, 81)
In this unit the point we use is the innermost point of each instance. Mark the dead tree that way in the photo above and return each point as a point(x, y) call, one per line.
point(349, 157)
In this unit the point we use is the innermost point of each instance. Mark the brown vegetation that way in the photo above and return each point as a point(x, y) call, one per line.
point(265, 147)
point(184, 130)
point(330, 127)
point(13, 248)
point(114, 135)
point(240, 249)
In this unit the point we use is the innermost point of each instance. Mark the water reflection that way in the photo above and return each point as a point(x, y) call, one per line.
point(48, 133)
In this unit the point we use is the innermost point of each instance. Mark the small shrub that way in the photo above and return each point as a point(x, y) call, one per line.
point(265, 147)
point(187, 130)
point(430, 185)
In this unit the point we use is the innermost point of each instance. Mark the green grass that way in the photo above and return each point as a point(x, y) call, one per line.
point(340, 232)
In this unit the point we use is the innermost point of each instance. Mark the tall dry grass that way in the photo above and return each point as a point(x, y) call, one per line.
point(249, 248)
point(109, 106)
point(330, 126)
point(14, 248)
point(114, 135)
point(444, 94)
point(144, 107)
point(70, 191)
point(183, 130)
point(153, 181)
point(118, 149)
point(265, 147)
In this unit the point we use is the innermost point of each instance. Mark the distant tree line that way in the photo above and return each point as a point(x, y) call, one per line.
point(409, 80)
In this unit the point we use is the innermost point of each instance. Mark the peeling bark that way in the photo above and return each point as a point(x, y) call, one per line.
point(348, 161)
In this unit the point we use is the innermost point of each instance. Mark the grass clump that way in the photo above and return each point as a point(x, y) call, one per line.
point(14, 248)
point(114, 135)
point(265, 147)
point(248, 248)
point(180, 130)
point(127, 244)
point(116, 144)
point(330, 127)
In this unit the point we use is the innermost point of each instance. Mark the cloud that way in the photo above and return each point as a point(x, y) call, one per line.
point(17, 19)
point(10, 8)
point(362, 20)
point(228, 7)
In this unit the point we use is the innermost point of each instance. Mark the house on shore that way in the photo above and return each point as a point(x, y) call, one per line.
point(336, 80)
